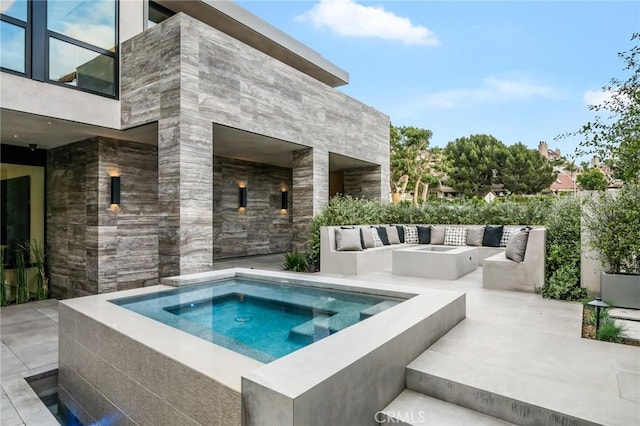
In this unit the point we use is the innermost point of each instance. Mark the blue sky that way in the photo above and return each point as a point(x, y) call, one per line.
point(521, 71)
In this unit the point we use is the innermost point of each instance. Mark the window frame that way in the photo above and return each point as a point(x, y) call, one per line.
point(37, 38)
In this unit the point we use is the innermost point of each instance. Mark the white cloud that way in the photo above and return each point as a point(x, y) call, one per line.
point(496, 89)
point(597, 97)
point(348, 18)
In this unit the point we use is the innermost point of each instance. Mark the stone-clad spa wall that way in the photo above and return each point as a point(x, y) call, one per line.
point(186, 76)
point(263, 228)
point(92, 247)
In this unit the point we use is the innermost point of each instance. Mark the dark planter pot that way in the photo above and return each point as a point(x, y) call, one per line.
point(620, 290)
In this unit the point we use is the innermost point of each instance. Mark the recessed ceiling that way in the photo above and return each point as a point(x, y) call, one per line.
point(22, 129)
point(241, 145)
point(19, 128)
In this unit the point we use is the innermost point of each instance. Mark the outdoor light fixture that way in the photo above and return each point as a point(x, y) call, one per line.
point(115, 190)
point(284, 205)
point(242, 198)
point(598, 303)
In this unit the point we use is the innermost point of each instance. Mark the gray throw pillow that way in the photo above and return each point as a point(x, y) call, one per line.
point(517, 245)
point(437, 234)
point(367, 237)
point(475, 234)
point(348, 240)
point(392, 234)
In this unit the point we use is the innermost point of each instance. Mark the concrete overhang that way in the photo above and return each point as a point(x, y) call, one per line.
point(22, 129)
point(239, 23)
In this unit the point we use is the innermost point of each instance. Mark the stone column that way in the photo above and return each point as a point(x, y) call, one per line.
point(185, 168)
point(309, 193)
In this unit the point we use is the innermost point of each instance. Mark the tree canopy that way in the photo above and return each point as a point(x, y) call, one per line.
point(614, 134)
point(475, 162)
point(525, 171)
point(413, 163)
point(592, 179)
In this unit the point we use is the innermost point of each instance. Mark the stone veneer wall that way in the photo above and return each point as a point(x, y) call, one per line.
point(262, 228)
point(186, 75)
point(92, 248)
point(362, 182)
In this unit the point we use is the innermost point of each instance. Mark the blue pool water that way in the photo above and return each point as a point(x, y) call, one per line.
point(264, 321)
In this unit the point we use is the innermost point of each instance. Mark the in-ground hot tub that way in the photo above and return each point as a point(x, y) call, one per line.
point(116, 363)
point(260, 319)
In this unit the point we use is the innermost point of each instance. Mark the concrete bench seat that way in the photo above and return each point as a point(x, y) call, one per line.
point(375, 259)
point(500, 273)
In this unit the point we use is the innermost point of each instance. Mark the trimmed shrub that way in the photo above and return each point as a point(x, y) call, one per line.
point(563, 250)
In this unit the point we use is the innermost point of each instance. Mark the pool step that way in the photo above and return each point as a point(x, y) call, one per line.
point(323, 325)
point(376, 309)
point(414, 408)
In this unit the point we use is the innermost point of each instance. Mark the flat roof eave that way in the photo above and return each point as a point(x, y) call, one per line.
point(239, 23)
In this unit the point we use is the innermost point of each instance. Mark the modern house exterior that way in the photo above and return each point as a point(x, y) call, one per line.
point(225, 133)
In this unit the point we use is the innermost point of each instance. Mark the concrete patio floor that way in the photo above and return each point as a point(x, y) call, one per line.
point(516, 344)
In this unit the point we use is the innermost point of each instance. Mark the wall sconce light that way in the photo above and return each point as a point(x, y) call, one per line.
point(284, 205)
point(115, 190)
point(242, 198)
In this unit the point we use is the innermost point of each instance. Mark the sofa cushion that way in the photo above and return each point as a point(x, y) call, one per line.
point(400, 230)
point(492, 235)
point(506, 234)
point(411, 235)
point(362, 243)
point(455, 236)
point(517, 245)
point(437, 234)
point(376, 237)
point(348, 240)
point(366, 235)
point(424, 234)
point(382, 233)
point(392, 234)
point(475, 235)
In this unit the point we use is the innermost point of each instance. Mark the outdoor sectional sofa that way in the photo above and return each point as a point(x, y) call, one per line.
point(499, 272)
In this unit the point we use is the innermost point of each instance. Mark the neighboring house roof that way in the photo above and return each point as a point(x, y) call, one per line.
point(563, 182)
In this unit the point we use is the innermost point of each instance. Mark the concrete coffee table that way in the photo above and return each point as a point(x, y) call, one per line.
point(439, 262)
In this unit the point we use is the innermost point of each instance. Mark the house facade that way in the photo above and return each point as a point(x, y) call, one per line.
point(154, 138)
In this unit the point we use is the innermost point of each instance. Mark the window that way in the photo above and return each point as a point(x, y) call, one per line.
point(13, 42)
point(15, 9)
point(80, 67)
point(92, 22)
point(68, 42)
point(158, 14)
point(14, 26)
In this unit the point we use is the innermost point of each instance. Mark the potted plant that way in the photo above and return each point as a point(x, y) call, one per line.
point(612, 222)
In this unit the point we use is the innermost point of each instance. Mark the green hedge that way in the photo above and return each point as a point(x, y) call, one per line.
point(561, 217)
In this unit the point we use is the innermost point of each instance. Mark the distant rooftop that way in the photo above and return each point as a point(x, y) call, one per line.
point(239, 23)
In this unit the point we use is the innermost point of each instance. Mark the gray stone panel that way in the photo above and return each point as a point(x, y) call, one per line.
point(91, 246)
point(362, 182)
point(187, 75)
point(262, 228)
point(106, 376)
